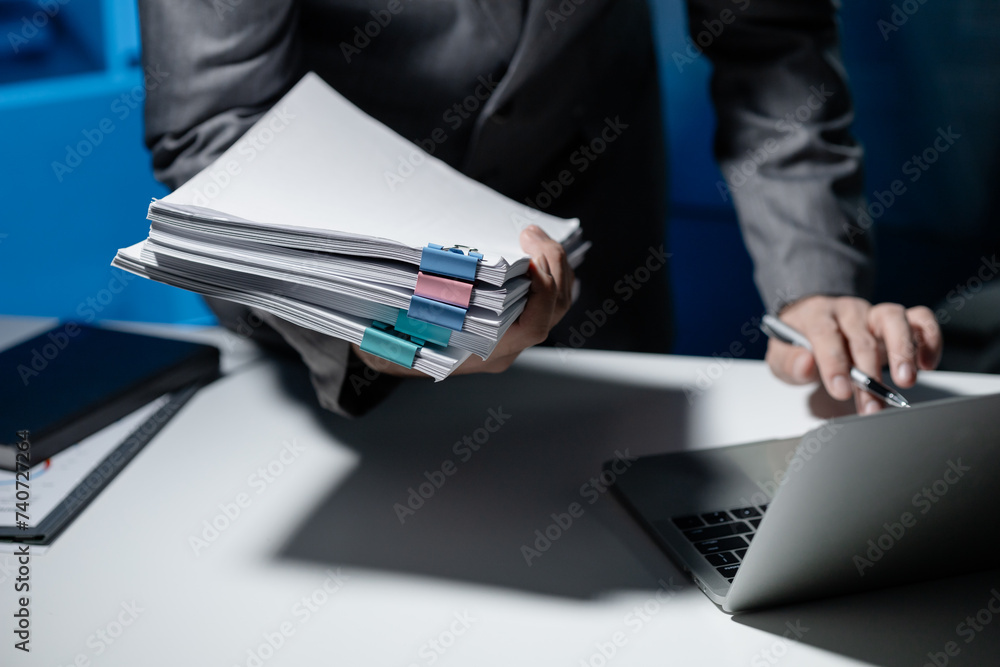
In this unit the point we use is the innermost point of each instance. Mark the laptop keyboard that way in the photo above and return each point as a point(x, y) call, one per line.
point(722, 537)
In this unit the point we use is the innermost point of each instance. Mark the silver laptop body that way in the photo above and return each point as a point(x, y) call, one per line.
point(855, 504)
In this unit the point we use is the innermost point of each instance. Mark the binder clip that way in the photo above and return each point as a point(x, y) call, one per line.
point(382, 342)
point(427, 331)
point(451, 261)
point(446, 290)
point(444, 286)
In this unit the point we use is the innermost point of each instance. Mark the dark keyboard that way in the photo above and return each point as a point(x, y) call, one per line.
point(722, 537)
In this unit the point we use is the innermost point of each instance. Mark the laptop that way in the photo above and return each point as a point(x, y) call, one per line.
point(855, 504)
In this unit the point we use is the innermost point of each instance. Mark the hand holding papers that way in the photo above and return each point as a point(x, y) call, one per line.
point(422, 271)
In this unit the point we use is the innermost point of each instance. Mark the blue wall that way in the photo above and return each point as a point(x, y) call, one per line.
point(939, 69)
point(59, 227)
point(58, 231)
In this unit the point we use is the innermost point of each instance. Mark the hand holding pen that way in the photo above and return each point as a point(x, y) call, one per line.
point(845, 341)
point(775, 328)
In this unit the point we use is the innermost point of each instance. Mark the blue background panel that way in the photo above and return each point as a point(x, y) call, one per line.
point(940, 69)
point(62, 229)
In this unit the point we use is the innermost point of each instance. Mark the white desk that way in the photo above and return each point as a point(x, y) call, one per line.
point(329, 507)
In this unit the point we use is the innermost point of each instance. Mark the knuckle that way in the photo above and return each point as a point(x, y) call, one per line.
point(848, 303)
point(821, 325)
point(831, 358)
point(546, 281)
point(864, 344)
point(890, 310)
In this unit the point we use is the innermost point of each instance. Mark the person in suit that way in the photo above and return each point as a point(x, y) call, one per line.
point(556, 103)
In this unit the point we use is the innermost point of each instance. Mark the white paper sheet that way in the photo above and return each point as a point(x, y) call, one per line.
point(316, 164)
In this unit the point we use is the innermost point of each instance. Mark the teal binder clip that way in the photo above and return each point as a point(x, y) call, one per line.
point(425, 330)
point(450, 262)
point(378, 340)
point(436, 312)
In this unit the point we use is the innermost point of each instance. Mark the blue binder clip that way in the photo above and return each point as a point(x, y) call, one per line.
point(436, 312)
point(381, 342)
point(450, 262)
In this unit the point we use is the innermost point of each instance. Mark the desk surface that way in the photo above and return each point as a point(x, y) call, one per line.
point(318, 564)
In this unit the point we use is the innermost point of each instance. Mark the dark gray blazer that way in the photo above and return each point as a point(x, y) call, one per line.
point(552, 102)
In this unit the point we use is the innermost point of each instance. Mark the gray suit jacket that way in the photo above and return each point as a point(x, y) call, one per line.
point(550, 102)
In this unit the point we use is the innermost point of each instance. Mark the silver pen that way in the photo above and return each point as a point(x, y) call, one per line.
point(775, 328)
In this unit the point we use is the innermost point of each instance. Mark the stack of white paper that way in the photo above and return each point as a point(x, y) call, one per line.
point(322, 216)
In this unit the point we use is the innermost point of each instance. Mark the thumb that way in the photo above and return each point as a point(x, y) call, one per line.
point(791, 364)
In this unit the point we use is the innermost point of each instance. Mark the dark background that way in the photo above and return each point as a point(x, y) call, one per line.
point(58, 232)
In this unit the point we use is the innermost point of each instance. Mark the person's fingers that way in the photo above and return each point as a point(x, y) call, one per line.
point(538, 244)
point(852, 317)
point(791, 364)
point(568, 279)
point(532, 326)
point(889, 324)
point(927, 336)
point(831, 353)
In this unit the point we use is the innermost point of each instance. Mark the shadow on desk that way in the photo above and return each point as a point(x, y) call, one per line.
point(455, 478)
point(497, 456)
point(907, 625)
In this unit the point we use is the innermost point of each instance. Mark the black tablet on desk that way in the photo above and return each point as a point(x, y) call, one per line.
point(72, 381)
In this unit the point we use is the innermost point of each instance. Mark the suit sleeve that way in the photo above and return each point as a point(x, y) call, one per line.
point(222, 65)
point(784, 145)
